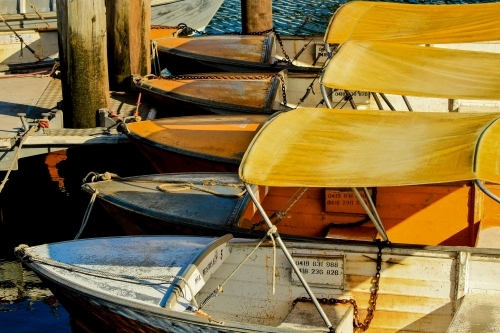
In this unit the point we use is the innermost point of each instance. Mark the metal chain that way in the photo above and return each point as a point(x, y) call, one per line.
point(287, 59)
point(233, 77)
point(184, 29)
point(372, 303)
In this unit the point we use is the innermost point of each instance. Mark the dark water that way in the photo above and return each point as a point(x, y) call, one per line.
point(43, 203)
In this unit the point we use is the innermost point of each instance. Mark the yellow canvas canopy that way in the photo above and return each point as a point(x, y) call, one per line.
point(317, 147)
point(414, 70)
point(414, 23)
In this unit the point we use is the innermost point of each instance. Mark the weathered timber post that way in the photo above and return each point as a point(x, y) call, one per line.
point(128, 26)
point(256, 15)
point(83, 58)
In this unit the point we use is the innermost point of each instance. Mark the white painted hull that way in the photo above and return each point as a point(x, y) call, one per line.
point(421, 288)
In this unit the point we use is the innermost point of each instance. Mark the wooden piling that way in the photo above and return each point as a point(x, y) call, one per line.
point(83, 58)
point(128, 28)
point(256, 15)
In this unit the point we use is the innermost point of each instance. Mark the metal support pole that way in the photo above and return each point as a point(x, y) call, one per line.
point(290, 259)
point(325, 96)
point(377, 101)
point(387, 102)
point(407, 103)
point(376, 222)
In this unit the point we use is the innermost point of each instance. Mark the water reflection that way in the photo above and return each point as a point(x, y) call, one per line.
point(26, 305)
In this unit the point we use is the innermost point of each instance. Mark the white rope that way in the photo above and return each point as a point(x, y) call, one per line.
point(87, 212)
point(219, 287)
point(179, 186)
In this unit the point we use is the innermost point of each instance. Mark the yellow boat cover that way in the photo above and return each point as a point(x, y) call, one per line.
point(317, 147)
point(414, 70)
point(414, 23)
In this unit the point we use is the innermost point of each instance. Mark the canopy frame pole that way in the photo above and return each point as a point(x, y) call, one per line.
point(386, 100)
point(375, 220)
point(377, 101)
point(486, 191)
point(350, 98)
point(405, 99)
point(290, 259)
point(325, 96)
point(372, 205)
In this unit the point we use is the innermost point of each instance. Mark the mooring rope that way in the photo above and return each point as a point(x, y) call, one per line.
point(219, 288)
point(21, 40)
point(24, 136)
point(170, 186)
point(87, 212)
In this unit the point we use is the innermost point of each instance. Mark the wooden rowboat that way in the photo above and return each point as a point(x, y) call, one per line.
point(356, 20)
point(208, 143)
point(434, 212)
point(146, 283)
point(187, 284)
point(429, 75)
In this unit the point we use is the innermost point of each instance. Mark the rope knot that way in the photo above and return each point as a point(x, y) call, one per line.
point(272, 230)
point(21, 251)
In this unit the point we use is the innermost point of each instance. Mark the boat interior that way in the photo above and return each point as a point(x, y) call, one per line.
point(240, 283)
point(455, 214)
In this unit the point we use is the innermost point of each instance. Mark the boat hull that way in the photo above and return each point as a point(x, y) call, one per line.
point(196, 144)
point(420, 289)
point(239, 53)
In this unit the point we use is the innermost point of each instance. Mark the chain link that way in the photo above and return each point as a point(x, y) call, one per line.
point(372, 303)
point(185, 31)
point(233, 77)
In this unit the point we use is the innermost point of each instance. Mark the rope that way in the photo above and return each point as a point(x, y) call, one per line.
point(219, 287)
point(136, 113)
point(21, 39)
point(87, 212)
point(14, 159)
point(169, 187)
point(173, 187)
point(22, 251)
point(38, 13)
point(155, 57)
point(279, 215)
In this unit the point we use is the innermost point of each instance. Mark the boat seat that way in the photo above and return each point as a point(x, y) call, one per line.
point(477, 313)
point(305, 317)
point(196, 273)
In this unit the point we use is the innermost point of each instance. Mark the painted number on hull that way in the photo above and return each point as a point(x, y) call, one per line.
point(343, 201)
point(322, 270)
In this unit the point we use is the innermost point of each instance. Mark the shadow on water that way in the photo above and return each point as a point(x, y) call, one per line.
point(43, 203)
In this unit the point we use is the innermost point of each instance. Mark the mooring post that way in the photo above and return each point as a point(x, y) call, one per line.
point(83, 59)
point(128, 27)
point(256, 15)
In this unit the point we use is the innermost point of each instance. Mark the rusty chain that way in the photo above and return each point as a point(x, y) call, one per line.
point(233, 77)
point(372, 303)
point(185, 31)
point(278, 37)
